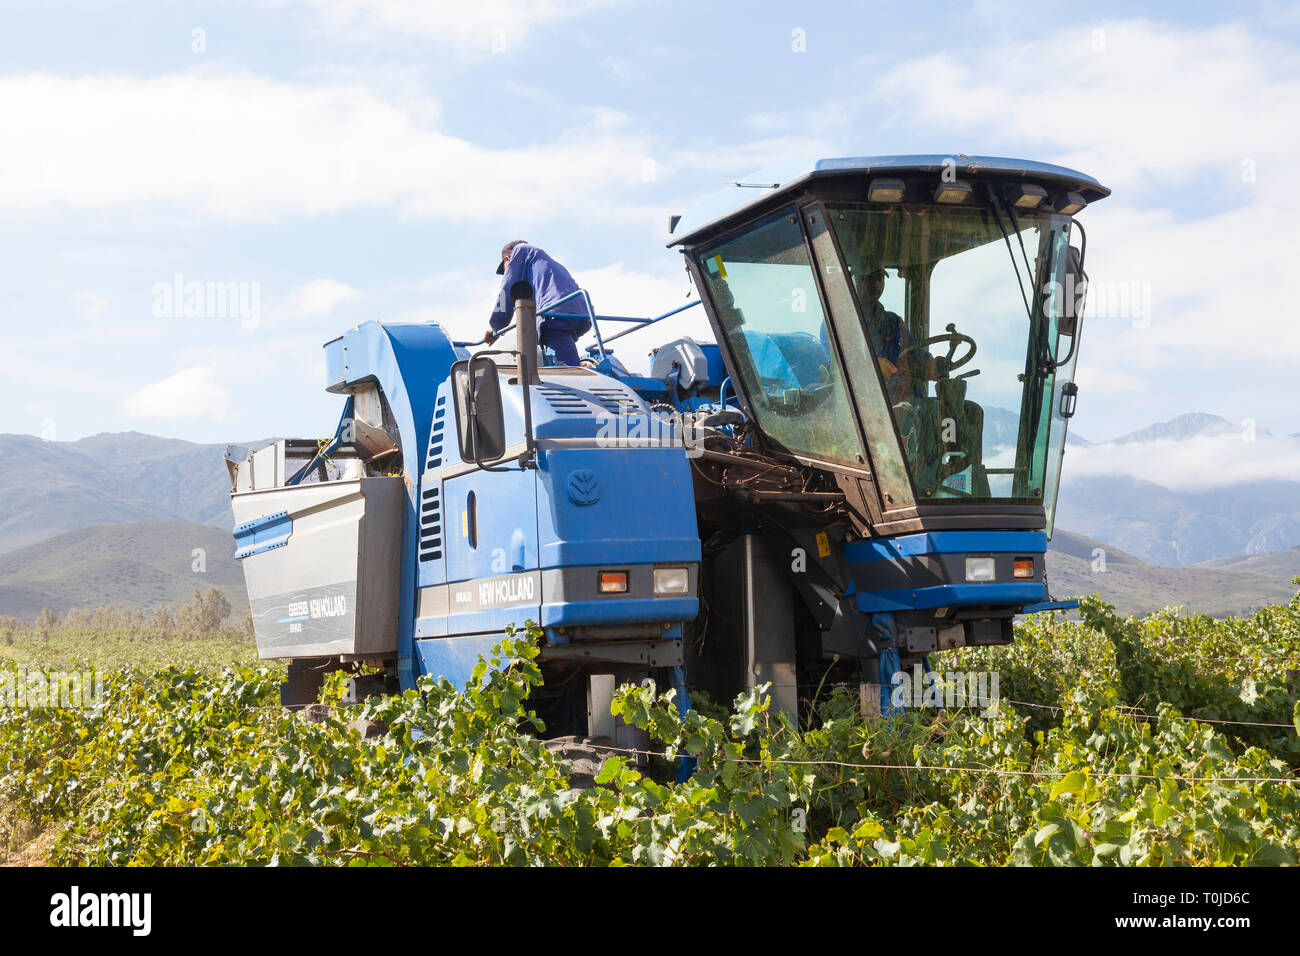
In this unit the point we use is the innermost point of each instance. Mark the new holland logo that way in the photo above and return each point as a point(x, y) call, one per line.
point(584, 489)
point(501, 591)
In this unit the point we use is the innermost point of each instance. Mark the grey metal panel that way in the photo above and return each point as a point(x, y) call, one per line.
point(928, 570)
point(333, 589)
point(479, 594)
point(769, 624)
point(638, 652)
point(600, 700)
point(557, 585)
point(580, 584)
point(433, 601)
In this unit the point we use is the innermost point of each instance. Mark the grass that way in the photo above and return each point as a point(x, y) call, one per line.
point(22, 841)
point(107, 650)
point(25, 843)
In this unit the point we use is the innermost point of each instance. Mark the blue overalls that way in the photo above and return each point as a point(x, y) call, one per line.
point(550, 282)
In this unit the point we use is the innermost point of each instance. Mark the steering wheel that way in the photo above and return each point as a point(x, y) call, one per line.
point(954, 338)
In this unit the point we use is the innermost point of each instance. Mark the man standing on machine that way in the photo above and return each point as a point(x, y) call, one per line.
point(528, 272)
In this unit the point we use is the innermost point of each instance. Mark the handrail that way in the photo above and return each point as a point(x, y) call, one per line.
point(657, 318)
point(590, 315)
point(595, 318)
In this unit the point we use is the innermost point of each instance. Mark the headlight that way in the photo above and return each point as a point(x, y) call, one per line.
point(672, 581)
point(980, 569)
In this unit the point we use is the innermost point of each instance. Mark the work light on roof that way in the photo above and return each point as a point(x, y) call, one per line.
point(955, 191)
point(1028, 196)
point(1071, 204)
point(885, 190)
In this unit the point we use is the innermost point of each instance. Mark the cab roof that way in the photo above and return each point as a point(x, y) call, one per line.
point(787, 178)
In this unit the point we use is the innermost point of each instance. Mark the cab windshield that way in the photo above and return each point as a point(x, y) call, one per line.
point(765, 294)
point(963, 343)
point(952, 386)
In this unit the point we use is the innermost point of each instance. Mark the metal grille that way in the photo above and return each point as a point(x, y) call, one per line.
point(430, 504)
point(564, 401)
point(435, 439)
point(590, 402)
point(616, 400)
point(430, 525)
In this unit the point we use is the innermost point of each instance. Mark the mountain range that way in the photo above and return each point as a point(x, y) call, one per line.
point(1193, 489)
point(134, 565)
point(53, 487)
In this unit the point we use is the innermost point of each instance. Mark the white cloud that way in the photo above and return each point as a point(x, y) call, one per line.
point(486, 26)
point(200, 386)
point(622, 69)
point(1204, 461)
point(23, 364)
point(1096, 377)
point(1156, 102)
point(189, 393)
point(92, 305)
point(248, 148)
point(1185, 123)
point(617, 290)
point(314, 299)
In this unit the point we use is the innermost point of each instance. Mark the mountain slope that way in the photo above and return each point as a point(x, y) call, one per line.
point(1193, 489)
point(1134, 586)
point(1179, 429)
point(134, 565)
point(53, 487)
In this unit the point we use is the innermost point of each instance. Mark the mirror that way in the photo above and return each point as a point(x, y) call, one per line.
point(480, 419)
point(1076, 289)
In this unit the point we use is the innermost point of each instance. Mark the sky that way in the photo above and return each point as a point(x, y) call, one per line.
point(335, 161)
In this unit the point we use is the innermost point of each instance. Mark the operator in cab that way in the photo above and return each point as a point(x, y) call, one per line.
point(891, 339)
point(528, 272)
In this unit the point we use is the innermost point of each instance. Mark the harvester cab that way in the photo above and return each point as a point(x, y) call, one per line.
point(901, 334)
point(859, 471)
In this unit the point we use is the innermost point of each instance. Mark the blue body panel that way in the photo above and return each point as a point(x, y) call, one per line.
point(946, 542)
point(505, 512)
point(409, 362)
point(591, 502)
point(643, 509)
point(955, 594)
point(263, 534)
point(453, 657)
point(717, 368)
point(952, 595)
point(1068, 605)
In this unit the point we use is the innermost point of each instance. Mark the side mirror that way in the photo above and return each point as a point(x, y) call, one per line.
point(1076, 290)
point(480, 419)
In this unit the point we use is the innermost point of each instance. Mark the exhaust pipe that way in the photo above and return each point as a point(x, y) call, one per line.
point(526, 332)
point(526, 342)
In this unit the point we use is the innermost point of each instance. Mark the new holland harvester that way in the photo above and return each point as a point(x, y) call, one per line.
point(862, 471)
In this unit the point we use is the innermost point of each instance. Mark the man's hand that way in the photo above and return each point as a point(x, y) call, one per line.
point(489, 337)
